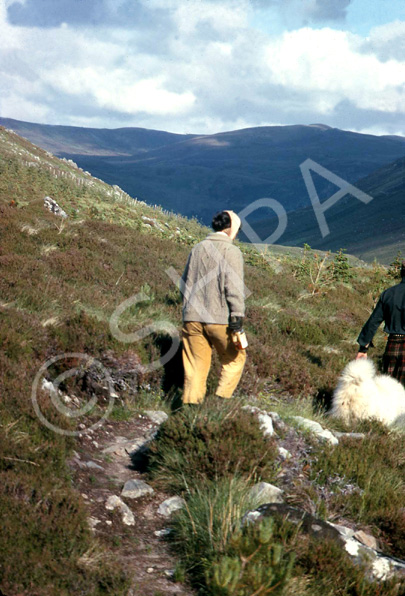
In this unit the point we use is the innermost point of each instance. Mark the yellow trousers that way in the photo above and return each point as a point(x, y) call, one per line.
point(198, 341)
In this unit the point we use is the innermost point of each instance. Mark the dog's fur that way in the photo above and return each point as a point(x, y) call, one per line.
point(362, 393)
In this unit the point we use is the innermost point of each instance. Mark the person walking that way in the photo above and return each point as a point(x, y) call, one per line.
point(213, 309)
point(390, 308)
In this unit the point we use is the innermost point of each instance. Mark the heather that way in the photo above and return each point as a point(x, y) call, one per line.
point(60, 282)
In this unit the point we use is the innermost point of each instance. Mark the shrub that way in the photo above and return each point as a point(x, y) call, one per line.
point(208, 444)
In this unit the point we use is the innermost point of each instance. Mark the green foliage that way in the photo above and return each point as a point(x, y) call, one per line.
point(394, 270)
point(256, 563)
point(340, 267)
point(367, 481)
point(207, 444)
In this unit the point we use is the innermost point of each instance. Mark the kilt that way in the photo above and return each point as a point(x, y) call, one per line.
point(394, 358)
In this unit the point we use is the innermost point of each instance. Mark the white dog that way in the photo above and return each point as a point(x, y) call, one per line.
point(362, 393)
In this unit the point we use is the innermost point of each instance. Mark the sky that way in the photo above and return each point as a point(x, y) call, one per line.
point(204, 66)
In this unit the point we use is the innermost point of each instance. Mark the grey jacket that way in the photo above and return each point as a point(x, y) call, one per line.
point(212, 282)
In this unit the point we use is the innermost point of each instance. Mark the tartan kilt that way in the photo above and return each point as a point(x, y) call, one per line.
point(394, 359)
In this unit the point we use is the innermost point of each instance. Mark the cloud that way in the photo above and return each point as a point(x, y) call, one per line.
point(86, 13)
point(202, 69)
point(387, 42)
point(308, 11)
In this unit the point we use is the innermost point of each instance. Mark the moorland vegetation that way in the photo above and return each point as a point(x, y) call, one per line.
point(61, 280)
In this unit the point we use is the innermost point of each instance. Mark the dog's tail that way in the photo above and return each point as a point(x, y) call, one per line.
point(358, 371)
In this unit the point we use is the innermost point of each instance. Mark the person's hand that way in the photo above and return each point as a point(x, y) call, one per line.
point(361, 355)
point(236, 324)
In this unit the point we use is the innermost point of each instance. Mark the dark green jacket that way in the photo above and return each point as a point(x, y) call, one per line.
point(390, 308)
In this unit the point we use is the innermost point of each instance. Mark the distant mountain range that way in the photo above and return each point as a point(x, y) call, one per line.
point(196, 175)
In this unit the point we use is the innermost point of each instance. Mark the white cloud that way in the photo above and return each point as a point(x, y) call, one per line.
point(328, 66)
point(206, 70)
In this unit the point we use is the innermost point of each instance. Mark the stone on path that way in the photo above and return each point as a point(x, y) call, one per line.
point(156, 416)
point(170, 506)
point(134, 489)
point(114, 502)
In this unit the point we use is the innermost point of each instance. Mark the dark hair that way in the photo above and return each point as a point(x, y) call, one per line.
point(221, 221)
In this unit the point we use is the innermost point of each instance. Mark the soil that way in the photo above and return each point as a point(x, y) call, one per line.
point(145, 556)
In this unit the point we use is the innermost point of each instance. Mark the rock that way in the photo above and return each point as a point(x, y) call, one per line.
point(284, 453)
point(263, 492)
point(265, 420)
point(93, 521)
point(314, 427)
point(93, 465)
point(156, 416)
point(150, 570)
point(134, 489)
point(309, 523)
point(366, 539)
point(343, 530)
point(127, 446)
point(114, 502)
point(162, 533)
point(170, 506)
point(53, 206)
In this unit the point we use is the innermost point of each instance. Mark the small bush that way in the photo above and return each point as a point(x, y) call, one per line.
point(209, 444)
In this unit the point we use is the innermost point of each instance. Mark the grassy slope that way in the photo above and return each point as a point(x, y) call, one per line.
point(61, 281)
point(352, 223)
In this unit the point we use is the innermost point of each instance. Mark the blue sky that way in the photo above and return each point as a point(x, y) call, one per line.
point(204, 66)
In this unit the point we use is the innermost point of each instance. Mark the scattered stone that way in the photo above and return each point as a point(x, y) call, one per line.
point(134, 489)
point(114, 502)
point(169, 573)
point(343, 530)
point(170, 506)
point(284, 453)
point(53, 206)
point(265, 420)
point(150, 570)
point(93, 521)
point(156, 416)
point(93, 465)
point(366, 539)
point(263, 492)
point(314, 427)
point(124, 447)
point(162, 533)
point(108, 522)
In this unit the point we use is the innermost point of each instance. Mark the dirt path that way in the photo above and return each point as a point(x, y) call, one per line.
point(101, 466)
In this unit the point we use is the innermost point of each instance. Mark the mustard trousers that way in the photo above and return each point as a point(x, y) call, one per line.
point(198, 341)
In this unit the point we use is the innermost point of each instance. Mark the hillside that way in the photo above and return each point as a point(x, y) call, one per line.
point(375, 230)
point(196, 175)
point(92, 141)
point(61, 281)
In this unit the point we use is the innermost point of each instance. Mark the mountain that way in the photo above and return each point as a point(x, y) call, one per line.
point(197, 175)
point(92, 141)
point(373, 230)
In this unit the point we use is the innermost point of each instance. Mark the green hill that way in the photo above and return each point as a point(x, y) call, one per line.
point(61, 281)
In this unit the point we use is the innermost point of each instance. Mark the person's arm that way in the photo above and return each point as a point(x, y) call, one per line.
point(370, 328)
point(234, 283)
